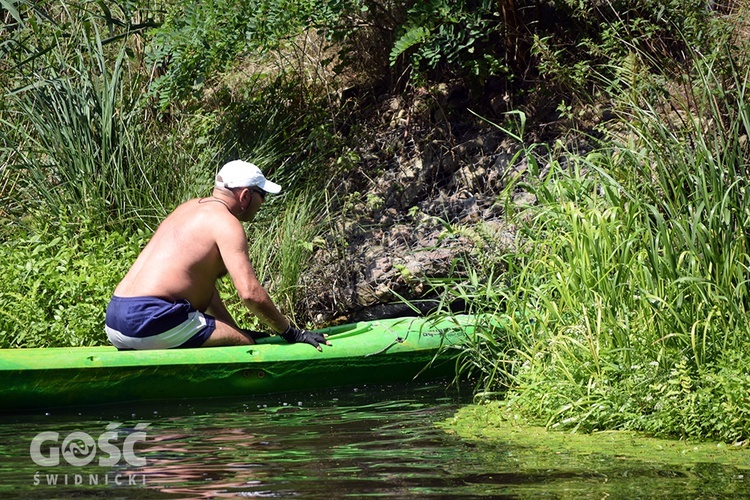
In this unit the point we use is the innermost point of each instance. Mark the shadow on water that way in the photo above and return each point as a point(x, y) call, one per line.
point(367, 441)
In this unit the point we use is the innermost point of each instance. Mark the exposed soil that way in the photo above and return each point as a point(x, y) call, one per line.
point(427, 197)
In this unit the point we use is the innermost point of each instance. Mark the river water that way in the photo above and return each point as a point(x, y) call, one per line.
point(356, 441)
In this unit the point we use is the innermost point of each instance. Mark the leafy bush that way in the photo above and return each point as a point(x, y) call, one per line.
point(199, 41)
point(573, 41)
point(463, 38)
point(196, 40)
point(56, 282)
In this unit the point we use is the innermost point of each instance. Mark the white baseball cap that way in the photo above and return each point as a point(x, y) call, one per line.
point(240, 173)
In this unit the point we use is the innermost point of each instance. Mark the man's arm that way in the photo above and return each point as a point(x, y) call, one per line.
point(232, 245)
point(257, 300)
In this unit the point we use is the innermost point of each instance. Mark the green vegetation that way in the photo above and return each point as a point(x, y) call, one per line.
point(626, 299)
point(90, 165)
point(609, 463)
point(624, 303)
point(56, 282)
point(536, 448)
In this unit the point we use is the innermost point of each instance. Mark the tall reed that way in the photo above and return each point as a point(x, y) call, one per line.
point(632, 273)
point(73, 136)
point(689, 172)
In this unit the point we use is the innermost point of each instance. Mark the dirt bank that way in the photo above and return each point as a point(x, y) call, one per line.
point(427, 196)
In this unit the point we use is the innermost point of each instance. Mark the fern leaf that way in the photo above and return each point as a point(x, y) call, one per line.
point(412, 37)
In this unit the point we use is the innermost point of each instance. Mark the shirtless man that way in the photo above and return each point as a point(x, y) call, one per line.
point(169, 297)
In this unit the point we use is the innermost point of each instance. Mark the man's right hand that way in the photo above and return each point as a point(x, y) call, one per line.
point(294, 335)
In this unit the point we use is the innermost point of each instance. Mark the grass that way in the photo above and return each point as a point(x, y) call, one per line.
point(73, 135)
point(629, 284)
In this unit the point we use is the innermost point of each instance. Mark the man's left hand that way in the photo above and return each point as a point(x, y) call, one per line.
point(294, 335)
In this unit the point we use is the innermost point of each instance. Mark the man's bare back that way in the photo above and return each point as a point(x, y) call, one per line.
point(182, 260)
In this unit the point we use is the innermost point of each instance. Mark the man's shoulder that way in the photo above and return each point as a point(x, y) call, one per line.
point(203, 215)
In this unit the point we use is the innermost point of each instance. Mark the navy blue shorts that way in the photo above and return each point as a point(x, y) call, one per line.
point(154, 323)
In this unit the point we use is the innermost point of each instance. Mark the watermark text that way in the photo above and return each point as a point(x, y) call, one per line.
point(80, 449)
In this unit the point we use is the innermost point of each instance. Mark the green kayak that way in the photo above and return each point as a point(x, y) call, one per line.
point(381, 351)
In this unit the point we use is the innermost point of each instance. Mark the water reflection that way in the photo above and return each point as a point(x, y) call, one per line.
point(376, 441)
point(349, 447)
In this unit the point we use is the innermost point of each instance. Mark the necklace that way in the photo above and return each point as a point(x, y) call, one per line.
point(205, 200)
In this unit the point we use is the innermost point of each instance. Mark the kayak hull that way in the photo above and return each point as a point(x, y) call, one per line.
point(382, 351)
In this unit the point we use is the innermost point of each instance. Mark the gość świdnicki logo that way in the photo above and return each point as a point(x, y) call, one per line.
point(80, 449)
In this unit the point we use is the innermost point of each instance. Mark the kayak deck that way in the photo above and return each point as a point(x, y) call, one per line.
point(380, 351)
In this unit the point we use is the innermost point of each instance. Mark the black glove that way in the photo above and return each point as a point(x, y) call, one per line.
point(294, 335)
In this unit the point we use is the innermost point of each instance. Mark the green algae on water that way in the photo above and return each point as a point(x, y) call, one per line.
point(493, 425)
